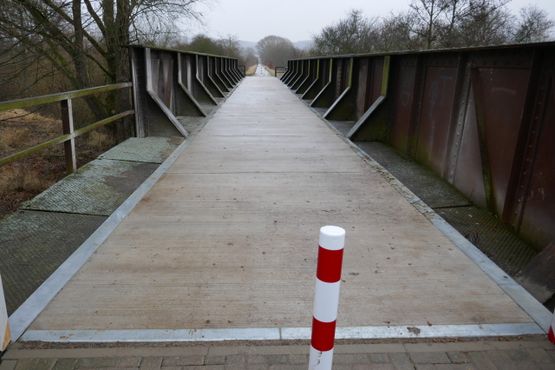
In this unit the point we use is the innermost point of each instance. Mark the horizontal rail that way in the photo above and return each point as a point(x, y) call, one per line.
point(182, 51)
point(431, 51)
point(53, 98)
point(63, 138)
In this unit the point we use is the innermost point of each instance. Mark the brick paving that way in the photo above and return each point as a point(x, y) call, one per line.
point(532, 354)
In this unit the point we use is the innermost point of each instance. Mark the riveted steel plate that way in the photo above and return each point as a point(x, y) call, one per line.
point(422, 181)
point(98, 188)
point(148, 149)
point(492, 237)
point(33, 245)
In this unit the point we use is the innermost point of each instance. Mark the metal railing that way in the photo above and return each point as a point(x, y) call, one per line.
point(481, 118)
point(279, 70)
point(69, 132)
point(166, 83)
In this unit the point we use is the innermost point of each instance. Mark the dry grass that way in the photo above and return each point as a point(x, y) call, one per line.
point(251, 70)
point(25, 178)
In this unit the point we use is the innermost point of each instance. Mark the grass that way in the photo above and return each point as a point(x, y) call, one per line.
point(251, 70)
point(23, 179)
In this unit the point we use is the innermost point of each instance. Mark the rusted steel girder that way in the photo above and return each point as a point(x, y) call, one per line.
point(169, 83)
point(481, 118)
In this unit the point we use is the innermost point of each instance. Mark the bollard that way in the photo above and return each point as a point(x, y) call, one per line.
point(326, 297)
point(5, 336)
point(551, 331)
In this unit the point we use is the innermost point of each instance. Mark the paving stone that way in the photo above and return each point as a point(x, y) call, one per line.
point(429, 358)
point(378, 358)
point(65, 364)
point(502, 360)
point(214, 360)
point(455, 367)
point(267, 359)
point(540, 356)
point(287, 367)
point(97, 362)
point(401, 361)
point(519, 355)
point(129, 362)
point(354, 358)
point(7, 364)
point(298, 359)
point(35, 364)
point(458, 357)
point(481, 361)
point(151, 363)
point(183, 360)
point(425, 367)
point(235, 359)
point(373, 367)
point(253, 367)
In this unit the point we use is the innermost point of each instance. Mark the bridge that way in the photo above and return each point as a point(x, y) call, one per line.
point(215, 238)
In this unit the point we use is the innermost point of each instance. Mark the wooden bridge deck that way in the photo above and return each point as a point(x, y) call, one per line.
point(227, 238)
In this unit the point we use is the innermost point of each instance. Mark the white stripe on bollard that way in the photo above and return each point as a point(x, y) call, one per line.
point(326, 301)
point(5, 336)
point(326, 297)
point(320, 360)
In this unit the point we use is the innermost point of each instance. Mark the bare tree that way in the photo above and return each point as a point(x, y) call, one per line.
point(350, 35)
point(428, 17)
point(395, 33)
point(534, 25)
point(276, 50)
point(488, 22)
point(77, 35)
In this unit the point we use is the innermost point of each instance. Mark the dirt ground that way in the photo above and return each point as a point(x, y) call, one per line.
point(25, 178)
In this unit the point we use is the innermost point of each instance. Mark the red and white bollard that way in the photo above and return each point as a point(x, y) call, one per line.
point(326, 297)
point(551, 331)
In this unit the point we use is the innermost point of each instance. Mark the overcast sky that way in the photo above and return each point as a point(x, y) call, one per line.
point(251, 20)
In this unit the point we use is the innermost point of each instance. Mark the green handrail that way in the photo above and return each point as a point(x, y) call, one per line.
point(67, 136)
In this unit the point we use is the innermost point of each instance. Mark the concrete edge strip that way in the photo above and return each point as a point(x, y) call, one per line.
point(538, 312)
point(22, 318)
point(275, 334)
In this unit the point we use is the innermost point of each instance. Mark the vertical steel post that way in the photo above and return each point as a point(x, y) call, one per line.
point(68, 128)
point(5, 336)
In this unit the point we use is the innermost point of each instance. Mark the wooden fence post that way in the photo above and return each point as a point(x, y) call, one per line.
point(67, 125)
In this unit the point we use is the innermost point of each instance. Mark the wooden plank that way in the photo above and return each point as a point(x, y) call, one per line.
point(227, 238)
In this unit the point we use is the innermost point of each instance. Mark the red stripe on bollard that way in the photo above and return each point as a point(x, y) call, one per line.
point(323, 334)
point(329, 265)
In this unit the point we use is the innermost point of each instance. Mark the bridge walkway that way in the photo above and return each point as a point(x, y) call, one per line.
point(225, 242)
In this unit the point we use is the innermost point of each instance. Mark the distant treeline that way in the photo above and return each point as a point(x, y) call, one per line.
point(431, 24)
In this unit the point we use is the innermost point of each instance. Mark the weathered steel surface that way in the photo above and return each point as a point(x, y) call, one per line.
point(34, 244)
point(98, 188)
point(481, 118)
point(478, 225)
point(172, 83)
point(149, 149)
